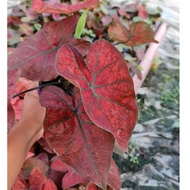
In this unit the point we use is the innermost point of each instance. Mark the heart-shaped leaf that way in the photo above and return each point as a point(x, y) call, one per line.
point(105, 85)
point(37, 60)
point(74, 137)
point(60, 8)
point(37, 179)
point(139, 33)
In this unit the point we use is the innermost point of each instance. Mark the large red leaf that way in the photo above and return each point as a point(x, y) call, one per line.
point(105, 85)
point(139, 33)
point(37, 179)
point(72, 135)
point(13, 76)
point(36, 55)
point(60, 8)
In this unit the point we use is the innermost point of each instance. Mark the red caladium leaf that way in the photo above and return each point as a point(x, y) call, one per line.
point(71, 178)
point(92, 186)
point(139, 33)
point(43, 157)
point(13, 76)
point(105, 85)
point(49, 185)
point(14, 19)
point(45, 146)
point(35, 59)
point(31, 163)
point(81, 45)
point(142, 11)
point(56, 177)
point(72, 135)
point(114, 177)
point(21, 85)
point(37, 179)
point(20, 184)
point(60, 8)
point(59, 165)
point(114, 181)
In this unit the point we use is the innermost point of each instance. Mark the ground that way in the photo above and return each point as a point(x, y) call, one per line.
point(152, 162)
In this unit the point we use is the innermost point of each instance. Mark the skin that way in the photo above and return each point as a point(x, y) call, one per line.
point(24, 134)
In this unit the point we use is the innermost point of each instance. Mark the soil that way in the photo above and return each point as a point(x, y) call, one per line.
point(152, 161)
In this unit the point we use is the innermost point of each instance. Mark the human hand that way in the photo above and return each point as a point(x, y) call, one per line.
point(33, 114)
point(24, 133)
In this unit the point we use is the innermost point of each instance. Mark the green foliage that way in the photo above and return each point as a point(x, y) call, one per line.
point(134, 160)
point(170, 97)
point(81, 24)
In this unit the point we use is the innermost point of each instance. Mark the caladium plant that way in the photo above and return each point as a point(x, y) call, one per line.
point(91, 109)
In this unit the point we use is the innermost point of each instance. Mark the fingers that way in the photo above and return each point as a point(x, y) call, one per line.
point(34, 92)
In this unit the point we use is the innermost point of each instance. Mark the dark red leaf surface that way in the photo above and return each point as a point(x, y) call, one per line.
point(71, 178)
point(81, 45)
point(105, 85)
point(56, 176)
point(49, 185)
point(43, 157)
point(60, 8)
point(73, 136)
point(45, 146)
point(139, 33)
point(37, 179)
point(114, 181)
point(59, 165)
point(13, 76)
point(36, 55)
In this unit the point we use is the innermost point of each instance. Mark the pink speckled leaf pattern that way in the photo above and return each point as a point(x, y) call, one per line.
point(74, 137)
point(105, 85)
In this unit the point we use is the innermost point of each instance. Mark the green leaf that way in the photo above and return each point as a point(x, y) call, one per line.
point(80, 25)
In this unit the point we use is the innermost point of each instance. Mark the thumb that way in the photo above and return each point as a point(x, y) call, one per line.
point(34, 84)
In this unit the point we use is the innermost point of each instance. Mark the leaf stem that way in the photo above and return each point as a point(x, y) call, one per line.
point(41, 86)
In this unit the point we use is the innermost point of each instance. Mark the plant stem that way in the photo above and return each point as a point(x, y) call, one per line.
point(41, 86)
